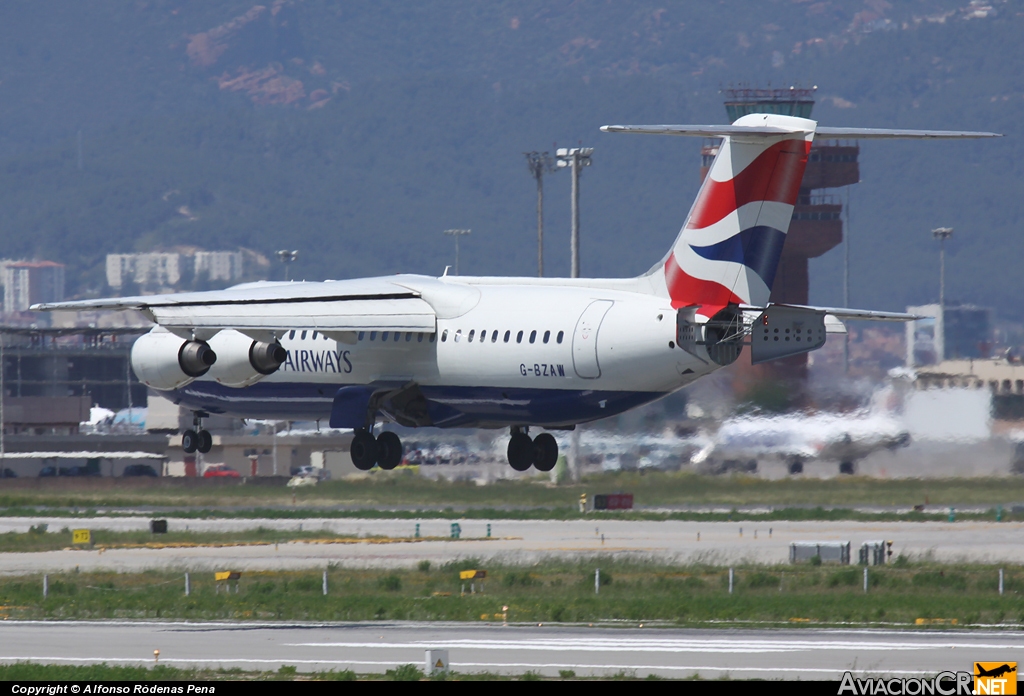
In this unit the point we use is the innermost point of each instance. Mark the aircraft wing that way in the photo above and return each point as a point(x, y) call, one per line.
point(373, 304)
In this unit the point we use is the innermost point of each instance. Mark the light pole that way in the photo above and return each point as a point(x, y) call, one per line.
point(457, 234)
point(942, 234)
point(540, 163)
point(575, 158)
point(3, 453)
point(286, 257)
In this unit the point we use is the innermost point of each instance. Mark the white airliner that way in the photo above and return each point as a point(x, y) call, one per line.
point(796, 439)
point(494, 352)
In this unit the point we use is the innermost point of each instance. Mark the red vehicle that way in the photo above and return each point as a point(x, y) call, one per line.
point(220, 470)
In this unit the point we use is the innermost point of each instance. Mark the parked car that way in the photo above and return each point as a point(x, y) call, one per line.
point(220, 471)
point(67, 471)
point(7, 473)
point(139, 470)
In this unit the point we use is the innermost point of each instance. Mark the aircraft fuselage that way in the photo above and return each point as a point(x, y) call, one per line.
point(546, 356)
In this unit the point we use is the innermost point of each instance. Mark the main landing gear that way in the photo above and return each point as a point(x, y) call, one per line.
point(385, 450)
point(197, 440)
point(541, 452)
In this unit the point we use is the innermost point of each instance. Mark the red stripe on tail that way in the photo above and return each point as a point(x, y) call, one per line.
point(774, 175)
point(685, 290)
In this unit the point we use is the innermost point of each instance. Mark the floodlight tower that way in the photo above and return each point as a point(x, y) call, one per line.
point(539, 164)
point(287, 257)
point(457, 234)
point(942, 234)
point(575, 158)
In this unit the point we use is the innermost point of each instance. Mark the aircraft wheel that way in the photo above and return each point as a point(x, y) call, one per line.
point(846, 468)
point(796, 467)
point(363, 450)
point(189, 441)
point(545, 452)
point(389, 450)
point(204, 441)
point(520, 451)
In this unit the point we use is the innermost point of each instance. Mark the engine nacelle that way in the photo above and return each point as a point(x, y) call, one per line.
point(242, 361)
point(164, 361)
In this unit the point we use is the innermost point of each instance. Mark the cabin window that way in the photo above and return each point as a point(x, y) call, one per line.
point(507, 334)
point(419, 337)
point(519, 337)
point(303, 336)
point(384, 336)
point(373, 335)
point(444, 336)
point(361, 336)
point(560, 335)
point(314, 335)
point(494, 336)
point(547, 336)
point(433, 336)
point(408, 336)
point(458, 335)
point(291, 334)
point(469, 338)
point(533, 336)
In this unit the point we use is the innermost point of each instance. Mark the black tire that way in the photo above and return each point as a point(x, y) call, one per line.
point(389, 450)
point(363, 450)
point(520, 452)
point(847, 468)
point(545, 452)
point(204, 441)
point(796, 467)
point(189, 441)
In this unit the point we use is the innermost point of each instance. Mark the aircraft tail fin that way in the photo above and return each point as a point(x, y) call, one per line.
point(729, 248)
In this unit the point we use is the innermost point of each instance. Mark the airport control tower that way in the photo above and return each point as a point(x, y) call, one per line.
point(817, 224)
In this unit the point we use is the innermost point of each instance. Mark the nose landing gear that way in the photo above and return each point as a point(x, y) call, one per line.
point(197, 440)
point(541, 452)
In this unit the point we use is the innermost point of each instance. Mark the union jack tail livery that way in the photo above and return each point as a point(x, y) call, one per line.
point(731, 243)
point(729, 248)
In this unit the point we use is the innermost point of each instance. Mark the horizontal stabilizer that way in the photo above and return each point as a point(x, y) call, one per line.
point(702, 131)
point(821, 131)
point(844, 313)
point(892, 133)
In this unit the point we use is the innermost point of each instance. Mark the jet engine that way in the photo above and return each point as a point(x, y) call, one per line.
point(241, 361)
point(164, 361)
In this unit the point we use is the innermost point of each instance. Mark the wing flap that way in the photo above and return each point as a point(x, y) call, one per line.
point(261, 309)
point(405, 314)
point(261, 293)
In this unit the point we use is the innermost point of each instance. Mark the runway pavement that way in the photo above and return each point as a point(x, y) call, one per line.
point(376, 647)
point(519, 541)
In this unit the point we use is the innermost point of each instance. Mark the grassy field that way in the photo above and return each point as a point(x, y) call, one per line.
point(42, 540)
point(403, 489)
point(26, 671)
point(638, 592)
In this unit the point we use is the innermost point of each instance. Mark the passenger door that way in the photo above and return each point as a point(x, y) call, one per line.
point(584, 339)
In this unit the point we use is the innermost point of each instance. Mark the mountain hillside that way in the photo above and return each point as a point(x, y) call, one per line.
point(358, 132)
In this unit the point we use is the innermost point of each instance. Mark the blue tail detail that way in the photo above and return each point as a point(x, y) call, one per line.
point(758, 248)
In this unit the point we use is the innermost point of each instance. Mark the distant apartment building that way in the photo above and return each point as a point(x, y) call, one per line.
point(158, 270)
point(29, 282)
point(959, 332)
point(152, 269)
point(219, 265)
